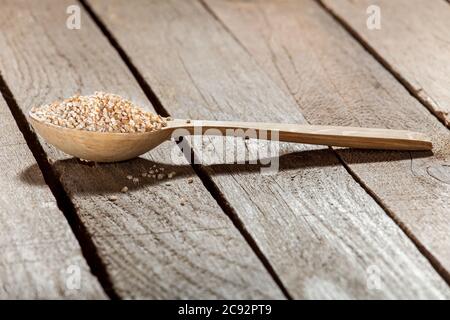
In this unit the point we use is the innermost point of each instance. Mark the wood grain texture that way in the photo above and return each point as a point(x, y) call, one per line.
point(319, 229)
point(161, 239)
point(353, 90)
point(39, 253)
point(413, 42)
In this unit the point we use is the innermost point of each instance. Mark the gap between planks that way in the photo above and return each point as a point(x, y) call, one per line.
point(382, 211)
point(22, 115)
point(430, 257)
point(386, 65)
point(434, 262)
point(426, 253)
point(215, 280)
point(209, 184)
point(421, 248)
point(64, 203)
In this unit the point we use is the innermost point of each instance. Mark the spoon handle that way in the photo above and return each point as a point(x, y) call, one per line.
point(353, 137)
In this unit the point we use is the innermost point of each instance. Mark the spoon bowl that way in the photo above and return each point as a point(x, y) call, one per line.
point(99, 146)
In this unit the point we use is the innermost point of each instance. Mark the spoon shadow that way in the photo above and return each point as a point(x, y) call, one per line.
point(95, 178)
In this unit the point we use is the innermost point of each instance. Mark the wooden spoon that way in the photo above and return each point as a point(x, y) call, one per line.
point(110, 147)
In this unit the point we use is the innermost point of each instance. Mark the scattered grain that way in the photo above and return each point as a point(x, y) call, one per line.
point(124, 189)
point(171, 175)
point(112, 198)
point(190, 180)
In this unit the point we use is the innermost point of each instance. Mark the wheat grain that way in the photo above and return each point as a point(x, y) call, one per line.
point(101, 112)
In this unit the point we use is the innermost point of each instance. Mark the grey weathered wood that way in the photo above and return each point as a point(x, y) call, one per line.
point(40, 257)
point(322, 233)
point(413, 42)
point(152, 246)
point(336, 83)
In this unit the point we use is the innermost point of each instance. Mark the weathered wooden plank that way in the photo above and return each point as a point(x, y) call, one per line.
point(153, 243)
point(322, 233)
point(40, 257)
point(335, 82)
point(413, 42)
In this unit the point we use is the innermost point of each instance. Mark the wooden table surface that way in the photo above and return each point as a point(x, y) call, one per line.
point(331, 223)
